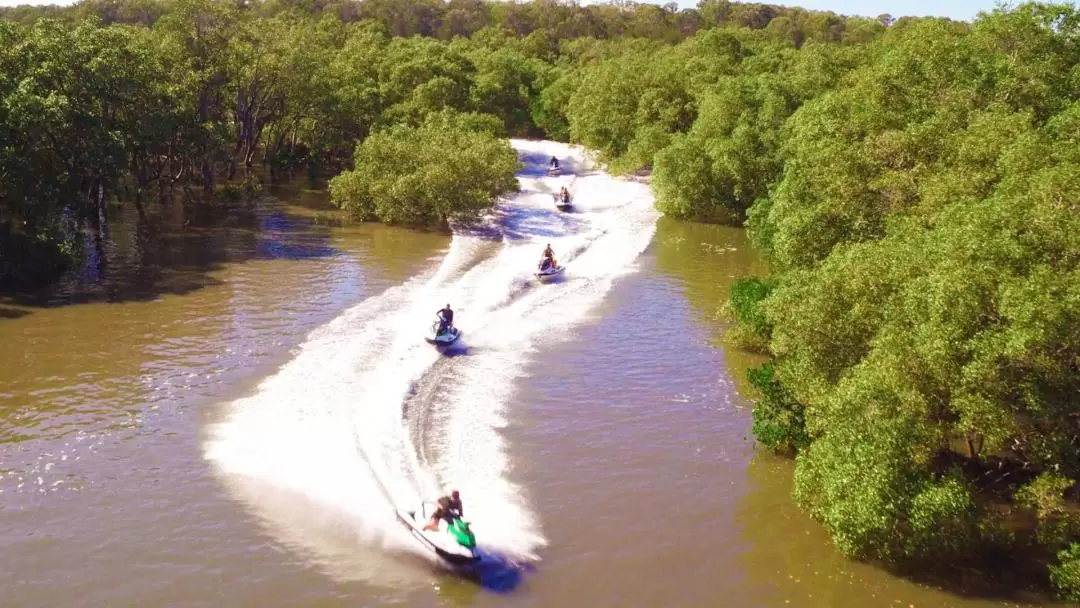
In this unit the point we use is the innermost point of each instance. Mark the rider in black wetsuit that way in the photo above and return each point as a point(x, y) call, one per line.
point(554, 163)
point(446, 319)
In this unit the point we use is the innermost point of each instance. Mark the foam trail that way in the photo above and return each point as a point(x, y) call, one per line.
point(368, 416)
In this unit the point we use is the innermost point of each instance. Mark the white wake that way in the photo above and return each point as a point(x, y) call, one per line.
point(368, 416)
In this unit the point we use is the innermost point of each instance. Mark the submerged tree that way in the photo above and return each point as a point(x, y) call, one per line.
point(453, 166)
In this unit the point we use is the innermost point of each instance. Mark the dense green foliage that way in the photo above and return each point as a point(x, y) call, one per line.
point(752, 329)
point(1066, 573)
point(144, 99)
point(922, 220)
point(779, 419)
point(913, 185)
point(403, 175)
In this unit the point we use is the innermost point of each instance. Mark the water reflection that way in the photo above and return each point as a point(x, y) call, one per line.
point(176, 248)
point(706, 259)
point(7, 312)
point(792, 559)
point(789, 559)
point(177, 305)
point(280, 237)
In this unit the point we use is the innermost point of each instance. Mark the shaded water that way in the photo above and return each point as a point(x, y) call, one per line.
point(627, 474)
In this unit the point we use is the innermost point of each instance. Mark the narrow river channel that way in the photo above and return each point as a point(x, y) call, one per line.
point(188, 419)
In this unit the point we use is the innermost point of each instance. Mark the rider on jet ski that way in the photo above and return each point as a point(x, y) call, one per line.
point(441, 512)
point(564, 194)
point(548, 260)
point(554, 163)
point(455, 504)
point(449, 508)
point(446, 319)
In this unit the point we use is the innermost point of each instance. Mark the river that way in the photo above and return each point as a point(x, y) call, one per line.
point(219, 408)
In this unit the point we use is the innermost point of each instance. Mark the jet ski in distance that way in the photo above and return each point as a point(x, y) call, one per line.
point(444, 338)
point(454, 542)
point(553, 167)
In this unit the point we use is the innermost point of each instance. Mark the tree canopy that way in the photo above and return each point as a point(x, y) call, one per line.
point(138, 99)
point(451, 166)
point(924, 311)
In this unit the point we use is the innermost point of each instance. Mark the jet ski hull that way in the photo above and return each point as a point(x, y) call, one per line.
point(560, 204)
point(445, 339)
point(551, 272)
point(439, 543)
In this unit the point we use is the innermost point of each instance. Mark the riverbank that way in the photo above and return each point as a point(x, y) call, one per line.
point(113, 400)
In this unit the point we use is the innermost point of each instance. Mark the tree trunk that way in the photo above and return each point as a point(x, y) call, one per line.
point(207, 166)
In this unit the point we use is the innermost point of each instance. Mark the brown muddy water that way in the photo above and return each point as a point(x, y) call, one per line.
point(220, 409)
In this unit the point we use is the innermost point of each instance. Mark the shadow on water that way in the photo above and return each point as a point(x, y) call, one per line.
point(498, 574)
point(495, 574)
point(522, 223)
point(175, 250)
point(794, 558)
point(526, 222)
point(537, 164)
point(788, 556)
point(12, 313)
point(458, 349)
point(556, 280)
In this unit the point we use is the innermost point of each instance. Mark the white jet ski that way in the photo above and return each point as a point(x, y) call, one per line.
point(445, 338)
point(562, 205)
point(554, 170)
point(551, 271)
point(455, 544)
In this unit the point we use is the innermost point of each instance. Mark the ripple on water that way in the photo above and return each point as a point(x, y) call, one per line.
point(110, 363)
